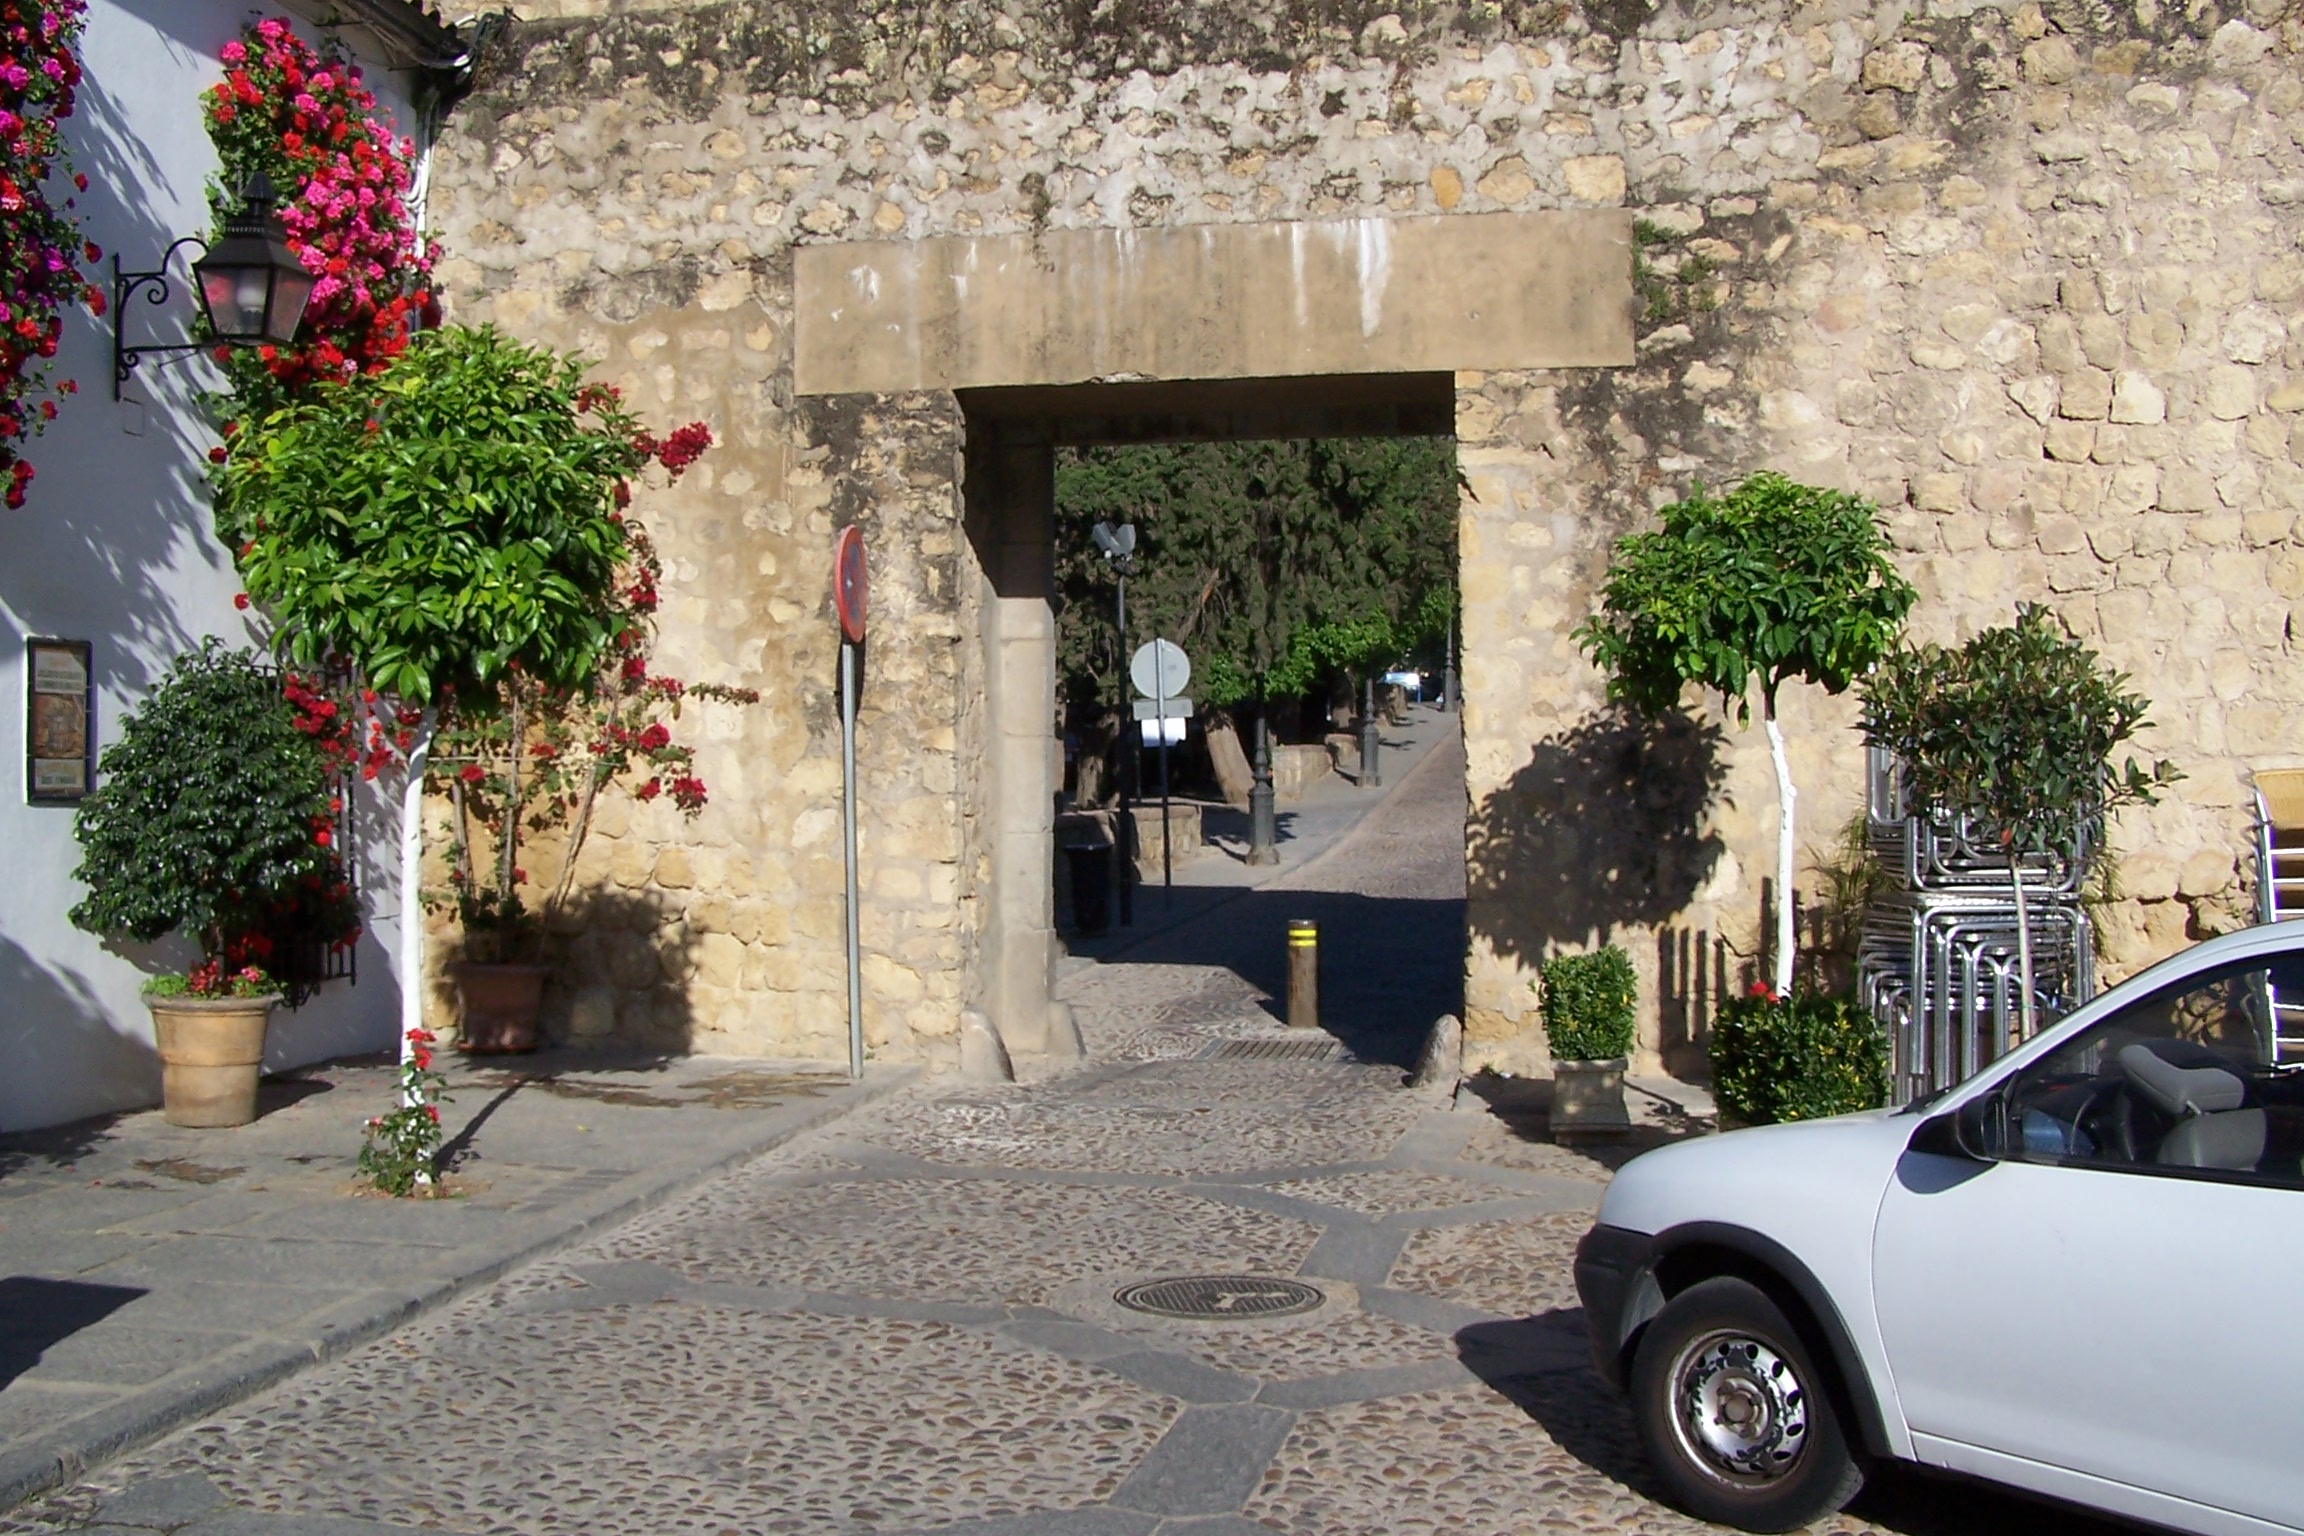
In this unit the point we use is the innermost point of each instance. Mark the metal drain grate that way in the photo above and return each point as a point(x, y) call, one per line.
point(1318, 1048)
point(1219, 1297)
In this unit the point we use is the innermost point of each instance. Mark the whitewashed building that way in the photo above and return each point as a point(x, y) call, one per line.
point(114, 550)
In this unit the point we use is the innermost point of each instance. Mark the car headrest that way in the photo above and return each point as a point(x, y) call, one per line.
point(2182, 1078)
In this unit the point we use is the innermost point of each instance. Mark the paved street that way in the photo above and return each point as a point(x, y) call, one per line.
point(907, 1321)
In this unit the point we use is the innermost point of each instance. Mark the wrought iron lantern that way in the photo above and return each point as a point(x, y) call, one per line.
point(252, 287)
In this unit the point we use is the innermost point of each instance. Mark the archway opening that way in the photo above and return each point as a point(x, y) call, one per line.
point(1296, 538)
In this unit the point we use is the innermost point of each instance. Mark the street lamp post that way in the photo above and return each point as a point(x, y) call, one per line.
point(1263, 840)
point(1119, 547)
point(1448, 677)
point(1370, 778)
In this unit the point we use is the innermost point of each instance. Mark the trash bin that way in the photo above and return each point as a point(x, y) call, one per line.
point(1091, 871)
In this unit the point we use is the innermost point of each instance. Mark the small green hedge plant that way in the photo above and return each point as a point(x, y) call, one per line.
point(1801, 1057)
point(1588, 1005)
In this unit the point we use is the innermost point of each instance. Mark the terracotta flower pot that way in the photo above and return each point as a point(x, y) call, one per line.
point(1588, 1100)
point(211, 1055)
point(497, 1004)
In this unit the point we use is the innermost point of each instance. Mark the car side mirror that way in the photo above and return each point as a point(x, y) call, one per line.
point(1973, 1132)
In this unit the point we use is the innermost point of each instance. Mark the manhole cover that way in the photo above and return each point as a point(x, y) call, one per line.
point(1202, 1297)
point(1319, 1048)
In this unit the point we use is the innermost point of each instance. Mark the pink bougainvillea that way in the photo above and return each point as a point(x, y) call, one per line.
point(300, 115)
point(40, 246)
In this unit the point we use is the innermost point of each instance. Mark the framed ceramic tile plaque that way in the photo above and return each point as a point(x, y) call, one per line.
point(59, 743)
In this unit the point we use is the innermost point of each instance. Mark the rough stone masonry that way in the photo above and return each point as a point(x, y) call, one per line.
point(2027, 275)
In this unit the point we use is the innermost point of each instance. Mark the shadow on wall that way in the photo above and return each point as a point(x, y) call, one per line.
point(119, 529)
point(623, 964)
point(1602, 830)
point(54, 1029)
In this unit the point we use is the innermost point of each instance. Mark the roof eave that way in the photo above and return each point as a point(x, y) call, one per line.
point(400, 34)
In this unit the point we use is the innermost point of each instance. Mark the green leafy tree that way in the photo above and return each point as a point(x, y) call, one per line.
point(438, 522)
point(440, 526)
point(213, 813)
point(2013, 733)
point(1272, 563)
point(1770, 583)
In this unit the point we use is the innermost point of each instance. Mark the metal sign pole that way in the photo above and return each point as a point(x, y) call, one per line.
point(1160, 705)
point(851, 599)
point(1124, 830)
point(848, 781)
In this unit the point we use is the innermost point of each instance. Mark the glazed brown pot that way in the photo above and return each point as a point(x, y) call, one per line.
point(211, 1055)
point(498, 1005)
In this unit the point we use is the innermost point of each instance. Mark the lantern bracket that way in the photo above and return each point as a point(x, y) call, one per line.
point(156, 288)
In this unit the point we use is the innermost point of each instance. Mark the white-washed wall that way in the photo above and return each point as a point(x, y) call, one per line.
point(114, 547)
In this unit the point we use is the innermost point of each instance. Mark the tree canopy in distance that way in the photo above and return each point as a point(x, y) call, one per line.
point(1271, 563)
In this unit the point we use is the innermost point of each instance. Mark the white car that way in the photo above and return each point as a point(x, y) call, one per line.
point(2081, 1273)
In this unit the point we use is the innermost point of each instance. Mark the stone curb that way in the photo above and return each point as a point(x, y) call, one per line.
point(86, 1442)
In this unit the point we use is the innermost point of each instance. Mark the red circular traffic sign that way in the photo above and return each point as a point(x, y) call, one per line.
point(850, 588)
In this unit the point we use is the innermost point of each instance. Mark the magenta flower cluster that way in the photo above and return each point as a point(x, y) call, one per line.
point(302, 116)
point(41, 250)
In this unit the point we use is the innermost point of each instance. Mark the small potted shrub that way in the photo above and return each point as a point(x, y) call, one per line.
point(1800, 1057)
point(213, 815)
point(1588, 1024)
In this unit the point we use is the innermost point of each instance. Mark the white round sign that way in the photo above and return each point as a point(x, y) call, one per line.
point(1160, 670)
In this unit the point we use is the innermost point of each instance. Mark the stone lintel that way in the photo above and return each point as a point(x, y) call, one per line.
point(1217, 301)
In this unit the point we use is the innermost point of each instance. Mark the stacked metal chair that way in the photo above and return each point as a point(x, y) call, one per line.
point(1937, 962)
point(2280, 889)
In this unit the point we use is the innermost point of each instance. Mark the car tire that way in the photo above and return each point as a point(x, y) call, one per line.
point(1734, 1415)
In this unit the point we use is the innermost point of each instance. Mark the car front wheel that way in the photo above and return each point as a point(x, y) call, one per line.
point(1733, 1414)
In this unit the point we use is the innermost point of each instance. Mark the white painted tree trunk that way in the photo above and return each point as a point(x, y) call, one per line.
point(1785, 796)
point(411, 881)
point(2024, 1005)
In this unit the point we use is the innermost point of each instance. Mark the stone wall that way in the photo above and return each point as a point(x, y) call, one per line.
point(2028, 277)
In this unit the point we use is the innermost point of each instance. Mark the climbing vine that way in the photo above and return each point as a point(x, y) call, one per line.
point(40, 244)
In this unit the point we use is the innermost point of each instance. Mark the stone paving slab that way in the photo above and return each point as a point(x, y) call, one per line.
point(151, 1274)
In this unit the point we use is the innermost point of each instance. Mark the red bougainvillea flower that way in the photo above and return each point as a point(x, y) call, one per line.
point(41, 256)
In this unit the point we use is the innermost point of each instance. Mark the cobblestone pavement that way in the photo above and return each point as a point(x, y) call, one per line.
point(907, 1322)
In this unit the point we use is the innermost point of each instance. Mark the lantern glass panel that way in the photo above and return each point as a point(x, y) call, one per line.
point(234, 297)
point(291, 291)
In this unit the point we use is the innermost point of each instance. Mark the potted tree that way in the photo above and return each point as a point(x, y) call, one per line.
point(528, 767)
point(444, 526)
point(214, 814)
point(1588, 1026)
point(1774, 581)
point(2013, 734)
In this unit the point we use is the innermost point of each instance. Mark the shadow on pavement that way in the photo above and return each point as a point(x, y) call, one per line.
point(1389, 966)
point(55, 1148)
point(1523, 1105)
point(37, 1314)
point(1542, 1365)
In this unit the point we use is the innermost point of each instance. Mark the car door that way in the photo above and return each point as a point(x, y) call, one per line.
point(2114, 1292)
